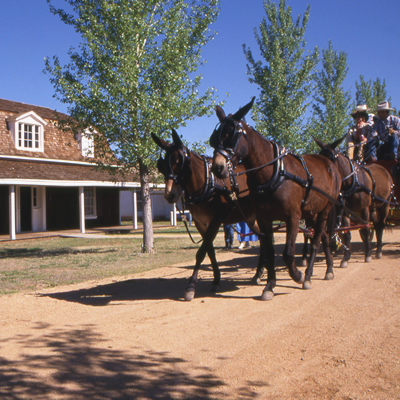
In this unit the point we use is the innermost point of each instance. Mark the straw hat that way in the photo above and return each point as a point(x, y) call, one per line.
point(383, 106)
point(361, 109)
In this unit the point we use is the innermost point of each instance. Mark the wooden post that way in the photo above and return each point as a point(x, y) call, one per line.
point(82, 209)
point(12, 210)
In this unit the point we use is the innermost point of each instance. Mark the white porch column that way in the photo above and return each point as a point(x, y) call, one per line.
point(134, 204)
point(12, 212)
point(82, 209)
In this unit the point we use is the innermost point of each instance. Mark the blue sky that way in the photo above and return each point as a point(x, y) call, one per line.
point(367, 30)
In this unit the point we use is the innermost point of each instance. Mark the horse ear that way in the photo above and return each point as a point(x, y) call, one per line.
point(239, 115)
point(160, 142)
point(220, 113)
point(320, 143)
point(338, 142)
point(176, 138)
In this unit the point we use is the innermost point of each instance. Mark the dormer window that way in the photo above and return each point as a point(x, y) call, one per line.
point(29, 136)
point(86, 144)
point(27, 131)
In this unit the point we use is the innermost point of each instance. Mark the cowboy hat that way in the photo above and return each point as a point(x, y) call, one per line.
point(383, 106)
point(361, 109)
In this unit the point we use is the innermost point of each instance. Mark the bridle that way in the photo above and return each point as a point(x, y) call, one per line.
point(165, 167)
point(227, 152)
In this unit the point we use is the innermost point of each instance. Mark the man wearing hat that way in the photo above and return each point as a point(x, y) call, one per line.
point(387, 127)
point(359, 134)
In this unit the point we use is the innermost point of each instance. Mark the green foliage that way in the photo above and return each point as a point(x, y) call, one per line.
point(285, 79)
point(134, 73)
point(371, 93)
point(331, 107)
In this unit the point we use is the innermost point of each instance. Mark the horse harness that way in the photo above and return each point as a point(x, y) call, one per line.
point(357, 186)
point(211, 187)
point(280, 174)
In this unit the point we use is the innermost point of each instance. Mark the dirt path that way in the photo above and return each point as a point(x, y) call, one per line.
point(135, 338)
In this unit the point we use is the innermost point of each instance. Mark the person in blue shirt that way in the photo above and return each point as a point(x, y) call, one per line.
point(387, 127)
point(245, 235)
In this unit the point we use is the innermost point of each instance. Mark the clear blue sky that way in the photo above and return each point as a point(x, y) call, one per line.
point(367, 30)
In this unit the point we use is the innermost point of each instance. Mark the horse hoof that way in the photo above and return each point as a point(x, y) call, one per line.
point(368, 259)
point(215, 288)
point(343, 264)
point(329, 276)
point(307, 285)
point(302, 278)
point(304, 262)
point(267, 295)
point(379, 255)
point(256, 281)
point(189, 295)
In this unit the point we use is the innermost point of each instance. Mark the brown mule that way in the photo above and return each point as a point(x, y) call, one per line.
point(366, 190)
point(283, 187)
point(208, 199)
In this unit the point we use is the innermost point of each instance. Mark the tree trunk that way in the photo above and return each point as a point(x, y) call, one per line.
point(148, 237)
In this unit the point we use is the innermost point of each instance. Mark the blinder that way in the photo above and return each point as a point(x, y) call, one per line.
point(165, 168)
point(229, 149)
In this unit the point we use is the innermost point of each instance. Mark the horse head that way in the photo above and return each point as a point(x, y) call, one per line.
point(329, 150)
point(175, 166)
point(342, 163)
point(229, 140)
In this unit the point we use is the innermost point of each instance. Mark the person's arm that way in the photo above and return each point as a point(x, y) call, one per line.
point(394, 126)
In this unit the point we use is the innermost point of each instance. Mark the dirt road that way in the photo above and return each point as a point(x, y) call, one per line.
point(135, 338)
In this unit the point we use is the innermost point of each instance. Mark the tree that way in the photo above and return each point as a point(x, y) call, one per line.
point(134, 73)
point(371, 93)
point(286, 78)
point(331, 106)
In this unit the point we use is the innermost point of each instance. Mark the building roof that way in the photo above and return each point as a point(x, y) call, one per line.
point(17, 108)
point(44, 173)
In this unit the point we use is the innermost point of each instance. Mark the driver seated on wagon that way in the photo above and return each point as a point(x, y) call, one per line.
point(386, 129)
point(359, 133)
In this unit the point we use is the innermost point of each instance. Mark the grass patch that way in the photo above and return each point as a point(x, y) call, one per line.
point(32, 265)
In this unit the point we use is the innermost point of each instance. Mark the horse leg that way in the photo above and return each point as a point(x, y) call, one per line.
point(305, 251)
point(206, 247)
point(365, 236)
point(269, 256)
point(347, 243)
point(315, 243)
point(292, 227)
point(256, 280)
point(379, 225)
point(329, 275)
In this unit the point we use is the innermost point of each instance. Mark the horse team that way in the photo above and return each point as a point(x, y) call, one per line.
point(254, 179)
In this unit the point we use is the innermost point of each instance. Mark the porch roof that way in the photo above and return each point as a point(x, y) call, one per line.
point(16, 172)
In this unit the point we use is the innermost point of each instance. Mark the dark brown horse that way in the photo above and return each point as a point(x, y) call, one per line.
point(366, 190)
point(207, 198)
point(283, 187)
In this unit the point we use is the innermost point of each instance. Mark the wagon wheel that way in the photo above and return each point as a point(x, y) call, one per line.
point(371, 234)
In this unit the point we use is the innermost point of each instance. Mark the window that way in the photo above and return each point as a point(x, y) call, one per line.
point(139, 201)
point(34, 197)
point(27, 131)
point(29, 136)
point(90, 202)
point(86, 144)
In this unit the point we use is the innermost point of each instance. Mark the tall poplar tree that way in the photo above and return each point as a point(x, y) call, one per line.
point(371, 93)
point(331, 105)
point(134, 73)
point(285, 79)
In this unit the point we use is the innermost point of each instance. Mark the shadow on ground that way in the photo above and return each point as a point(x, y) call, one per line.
point(172, 288)
point(77, 364)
